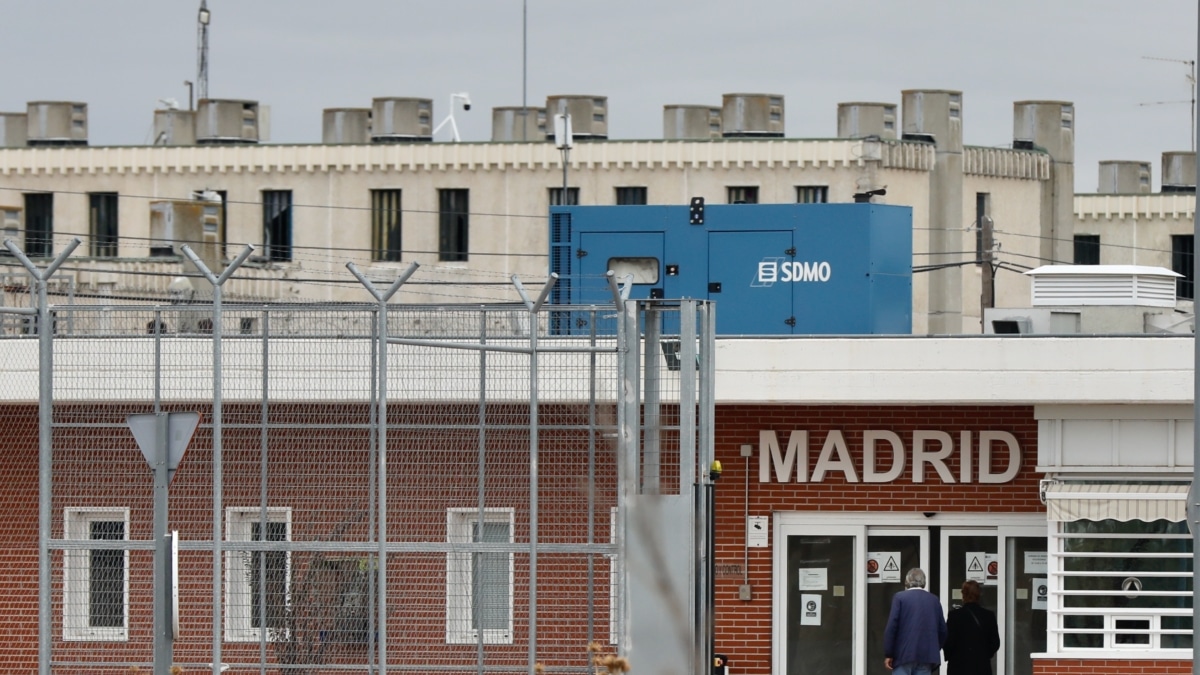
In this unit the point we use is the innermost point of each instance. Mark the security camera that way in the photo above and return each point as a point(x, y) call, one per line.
point(465, 98)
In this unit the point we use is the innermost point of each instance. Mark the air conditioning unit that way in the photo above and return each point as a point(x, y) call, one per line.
point(10, 229)
point(195, 222)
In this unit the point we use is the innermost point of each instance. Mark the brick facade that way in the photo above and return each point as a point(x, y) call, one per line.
point(743, 628)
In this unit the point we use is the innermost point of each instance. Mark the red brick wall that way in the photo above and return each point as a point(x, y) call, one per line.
point(744, 628)
point(323, 476)
point(1110, 667)
point(19, 538)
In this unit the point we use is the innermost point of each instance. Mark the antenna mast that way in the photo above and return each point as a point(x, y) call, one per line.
point(1191, 77)
point(202, 20)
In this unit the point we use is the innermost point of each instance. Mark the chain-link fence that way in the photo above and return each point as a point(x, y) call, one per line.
point(370, 487)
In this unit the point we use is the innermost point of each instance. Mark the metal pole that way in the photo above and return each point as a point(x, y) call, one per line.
point(652, 408)
point(566, 152)
point(533, 306)
point(163, 642)
point(707, 450)
point(1194, 527)
point(264, 417)
point(481, 449)
point(628, 412)
point(217, 448)
point(373, 462)
point(591, 471)
point(382, 298)
point(45, 324)
point(524, 68)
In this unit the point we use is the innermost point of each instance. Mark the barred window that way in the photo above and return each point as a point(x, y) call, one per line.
point(812, 194)
point(479, 584)
point(385, 225)
point(1124, 585)
point(96, 581)
point(258, 581)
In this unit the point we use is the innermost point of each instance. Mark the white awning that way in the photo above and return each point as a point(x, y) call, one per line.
point(1066, 502)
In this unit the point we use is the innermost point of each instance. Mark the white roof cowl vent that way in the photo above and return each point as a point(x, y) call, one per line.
point(1104, 285)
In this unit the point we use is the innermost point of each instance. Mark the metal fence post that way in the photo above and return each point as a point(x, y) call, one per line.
point(45, 326)
point(218, 506)
point(381, 437)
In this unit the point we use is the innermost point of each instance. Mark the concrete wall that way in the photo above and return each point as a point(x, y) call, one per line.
point(509, 197)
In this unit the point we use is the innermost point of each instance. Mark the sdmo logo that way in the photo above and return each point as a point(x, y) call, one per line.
point(771, 270)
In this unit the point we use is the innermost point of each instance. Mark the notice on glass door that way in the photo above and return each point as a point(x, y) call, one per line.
point(977, 566)
point(1035, 562)
point(1041, 592)
point(814, 579)
point(810, 609)
point(883, 567)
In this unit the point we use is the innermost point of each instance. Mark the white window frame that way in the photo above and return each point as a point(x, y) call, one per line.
point(239, 524)
point(77, 524)
point(1058, 611)
point(459, 573)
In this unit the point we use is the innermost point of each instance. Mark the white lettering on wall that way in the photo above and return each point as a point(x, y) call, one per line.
point(870, 437)
point(835, 444)
point(771, 270)
point(768, 455)
point(931, 449)
point(985, 457)
point(937, 459)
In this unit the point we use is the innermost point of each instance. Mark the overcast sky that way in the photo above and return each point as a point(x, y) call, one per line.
point(300, 56)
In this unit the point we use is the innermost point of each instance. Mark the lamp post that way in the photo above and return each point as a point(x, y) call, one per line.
point(202, 20)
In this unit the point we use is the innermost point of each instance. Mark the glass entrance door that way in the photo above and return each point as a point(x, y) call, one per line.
point(1008, 562)
point(835, 581)
point(1025, 618)
point(820, 629)
point(970, 555)
point(891, 553)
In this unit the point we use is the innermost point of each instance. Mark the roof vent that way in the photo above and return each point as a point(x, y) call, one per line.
point(1107, 285)
point(56, 123)
point(13, 130)
point(697, 122)
point(346, 125)
point(401, 120)
point(227, 121)
point(1179, 171)
point(518, 124)
point(1119, 177)
point(174, 127)
point(752, 115)
point(864, 120)
point(589, 115)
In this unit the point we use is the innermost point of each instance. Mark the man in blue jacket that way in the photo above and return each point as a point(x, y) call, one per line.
point(912, 641)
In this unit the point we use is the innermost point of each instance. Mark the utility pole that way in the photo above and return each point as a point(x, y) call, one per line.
point(202, 20)
point(987, 295)
point(1191, 77)
point(524, 67)
point(564, 139)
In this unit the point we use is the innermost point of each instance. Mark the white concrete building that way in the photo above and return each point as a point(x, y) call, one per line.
point(481, 207)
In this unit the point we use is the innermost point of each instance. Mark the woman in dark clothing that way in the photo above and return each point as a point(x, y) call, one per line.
point(972, 636)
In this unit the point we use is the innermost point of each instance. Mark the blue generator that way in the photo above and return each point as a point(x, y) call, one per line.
point(771, 269)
